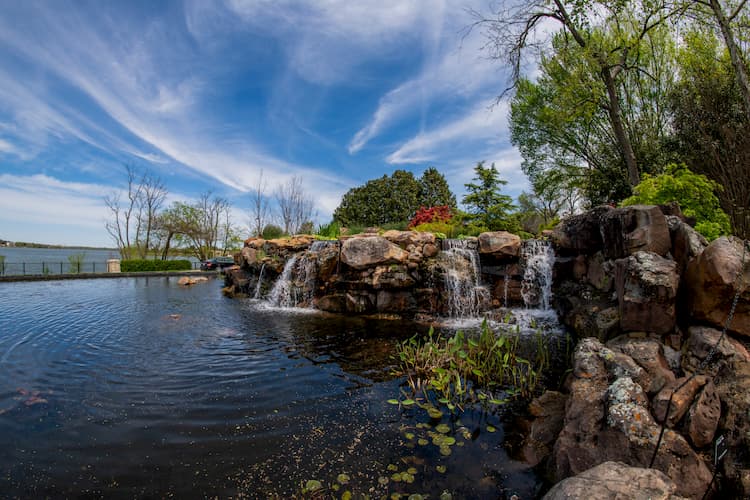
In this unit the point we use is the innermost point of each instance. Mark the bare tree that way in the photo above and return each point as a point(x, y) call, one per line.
point(295, 205)
point(259, 206)
point(131, 223)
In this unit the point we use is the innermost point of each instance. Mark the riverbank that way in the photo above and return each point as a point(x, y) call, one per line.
point(80, 276)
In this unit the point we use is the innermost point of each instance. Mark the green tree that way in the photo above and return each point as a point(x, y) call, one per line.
point(386, 200)
point(694, 193)
point(434, 190)
point(711, 125)
point(487, 205)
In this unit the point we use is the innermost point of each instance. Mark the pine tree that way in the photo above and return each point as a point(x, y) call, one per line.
point(487, 205)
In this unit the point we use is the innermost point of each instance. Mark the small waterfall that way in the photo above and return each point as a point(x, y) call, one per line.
point(538, 259)
point(283, 293)
point(256, 295)
point(506, 281)
point(466, 295)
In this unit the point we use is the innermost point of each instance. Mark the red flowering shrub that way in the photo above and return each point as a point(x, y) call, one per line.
point(440, 213)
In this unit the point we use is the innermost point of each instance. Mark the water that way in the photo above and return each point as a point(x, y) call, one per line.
point(137, 387)
point(466, 297)
point(538, 259)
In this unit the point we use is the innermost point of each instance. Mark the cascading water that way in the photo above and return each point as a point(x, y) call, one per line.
point(296, 284)
point(466, 297)
point(256, 295)
point(283, 292)
point(538, 259)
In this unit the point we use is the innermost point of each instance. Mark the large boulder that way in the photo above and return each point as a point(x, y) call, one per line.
point(500, 244)
point(361, 253)
point(580, 233)
point(637, 228)
point(701, 340)
point(649, 354)
point(646, 287)
point(404, 239)
point(615, 481)
point(687, 243)
point(703, 416)
point(548, 412)
point(711, 283)
point(677, 396)
point(607, 418)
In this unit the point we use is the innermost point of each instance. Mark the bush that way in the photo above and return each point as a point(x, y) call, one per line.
point(446, 228)
point(332, 230)
point(146, 265)
point(395, 226)
point(271, 232)
point(694, 193)
point(440, 213)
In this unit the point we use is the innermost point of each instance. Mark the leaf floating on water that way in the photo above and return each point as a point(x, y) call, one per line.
point(422, 442)
point(445, 450)
point(313, 485)
point(434, 412)
point(393, 401)
point(343, 478)
point(382, 480)
point(490, 429)
point(441, 469)
point(415, 496)
point(407, 478)
point(347, 495)
point(409, 435)
point(411, 470)
point(392, 467)
point(449, 441)
point(396, 477)
point(446, 495)
point(408, 402)
point(443, 428)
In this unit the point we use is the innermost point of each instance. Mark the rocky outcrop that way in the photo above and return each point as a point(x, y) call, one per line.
point(616, 481)
point(638, 228)
point(361, 253)
point(711, 282)
point(500, 244)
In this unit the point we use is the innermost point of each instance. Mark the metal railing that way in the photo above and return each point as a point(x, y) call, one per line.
point(57, 267)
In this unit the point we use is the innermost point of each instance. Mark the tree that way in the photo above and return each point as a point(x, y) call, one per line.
point(259, 206)
point(694, 193)
point(434, 190)
point(711, 124)
point(132, 222)
point(386, 200)
point(609, 36)
point(486, 204)
point(295, 205)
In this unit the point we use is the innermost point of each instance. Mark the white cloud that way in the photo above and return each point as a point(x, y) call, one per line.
point(482, 124)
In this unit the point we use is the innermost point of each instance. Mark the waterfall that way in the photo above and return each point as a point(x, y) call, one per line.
point(466, 297)
point(538, 259)
point(282, 291)
point(260, 281)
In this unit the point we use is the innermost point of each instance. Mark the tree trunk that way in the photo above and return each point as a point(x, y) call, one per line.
point(738, 64)
point(615, 116)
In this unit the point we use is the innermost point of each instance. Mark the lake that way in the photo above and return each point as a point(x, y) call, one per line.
point(24, 260)
point(137, 387)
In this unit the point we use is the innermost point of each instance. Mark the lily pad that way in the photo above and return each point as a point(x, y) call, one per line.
point(343, 478)
point(422, 442)
point(393, 401)
point(408, 402)
point(446, 495)
point(409, 435)
point(491, 429)
point(313, 485)
point(443, 428)
point(392, 467)
point(441, 469)
point(396, 477)
point(347, 495)
point(449, 441)
point(445, 450)
point(411, 470)
point(434, 412)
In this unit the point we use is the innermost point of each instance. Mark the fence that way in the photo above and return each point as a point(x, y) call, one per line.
point(56, 267)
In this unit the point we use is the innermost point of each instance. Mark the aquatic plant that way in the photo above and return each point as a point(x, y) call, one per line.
point(75, 262)
point(466, 369)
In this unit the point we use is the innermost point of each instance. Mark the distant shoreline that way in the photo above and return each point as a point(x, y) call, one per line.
point(24, 244)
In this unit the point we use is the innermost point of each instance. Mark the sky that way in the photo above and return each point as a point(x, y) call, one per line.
point(208, 94)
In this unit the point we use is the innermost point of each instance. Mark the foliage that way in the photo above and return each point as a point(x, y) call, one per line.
point(711, 125)
point(434, 190)
point(487, 205)
point(144, 265)
point(271, 232)
point(75, 262)
point(2, 264)
point(465, 369)
point(694, 193)
point(307, 227)
point(401, 225)
point(392, 199)
point(439, 213)
point(446, 229)
point(332, 230)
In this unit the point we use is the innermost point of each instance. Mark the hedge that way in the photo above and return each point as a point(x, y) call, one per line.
point(142, 265)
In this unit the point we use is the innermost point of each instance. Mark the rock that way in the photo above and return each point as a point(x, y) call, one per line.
point(701, 340)
point(580, 233)
point(430, 250)
point(703, 416)
point(189, 280)
point(646, 287)
point(500, 244)
point(255, 243)
point(405, 238)
point(248, 256)
point(549, 412)
point(682, 392)
point(361, 253)
point(393, 276)
point(637, 228)
point(687, 243)
point(600, 272)
point(295, 243)
point(359, 302)
point(395, 301)
point(335, 303)
point(733, 388)
point(649, 354)
point(711, 280)
point(606, 422)
point(616, 481)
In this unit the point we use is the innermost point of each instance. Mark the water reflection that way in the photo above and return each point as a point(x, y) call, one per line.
point(139, 387)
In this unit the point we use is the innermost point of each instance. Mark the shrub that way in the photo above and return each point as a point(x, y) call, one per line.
point(332, 230)
point(694, 193)
point(145, 265)
point(271, 232)
point(445, 228)
point(395, 226)
point(440, 213)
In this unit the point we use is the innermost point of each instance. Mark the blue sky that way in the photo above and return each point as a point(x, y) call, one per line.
point(207, 94)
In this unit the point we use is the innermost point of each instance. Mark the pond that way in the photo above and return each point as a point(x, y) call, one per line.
point(139, 387)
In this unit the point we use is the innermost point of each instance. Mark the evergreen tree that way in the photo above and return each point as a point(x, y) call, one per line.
point(434, 190)
point(487, 205)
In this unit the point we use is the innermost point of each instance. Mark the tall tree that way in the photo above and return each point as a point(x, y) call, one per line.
point(388, 199)
point(517, 27)
point(434, 190)
point(487, 205)
point(259, 208)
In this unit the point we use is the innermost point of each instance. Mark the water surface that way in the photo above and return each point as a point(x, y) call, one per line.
point(140, 388)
